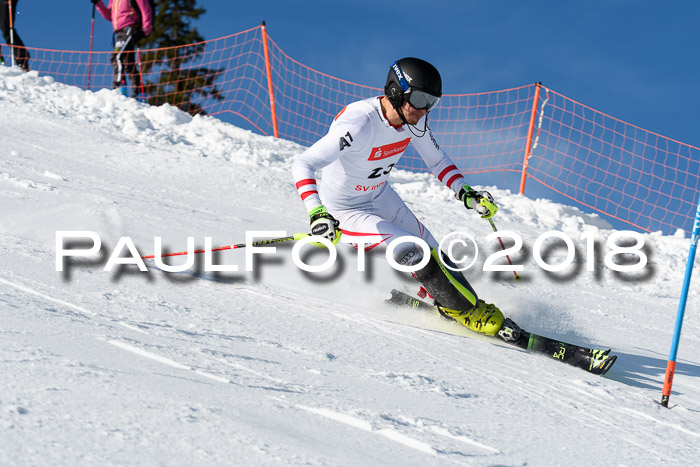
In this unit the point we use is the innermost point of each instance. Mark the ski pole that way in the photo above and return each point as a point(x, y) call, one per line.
point(92, 33)
point(12, 34)
point(493, 226)
point(291, 238)
point(138, 60)
point(671, 364)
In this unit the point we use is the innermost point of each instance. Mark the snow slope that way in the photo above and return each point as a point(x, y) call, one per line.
point(278, 366)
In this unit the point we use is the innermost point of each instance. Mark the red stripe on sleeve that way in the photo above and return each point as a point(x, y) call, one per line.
point(340, 113)
point(453, 178)
point(306, 181)
point(306, 194)
point(446, 171)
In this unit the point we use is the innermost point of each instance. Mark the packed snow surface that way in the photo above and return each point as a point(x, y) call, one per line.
point(282, 366)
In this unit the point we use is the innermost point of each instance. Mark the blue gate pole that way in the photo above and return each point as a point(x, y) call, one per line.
point(671, 364)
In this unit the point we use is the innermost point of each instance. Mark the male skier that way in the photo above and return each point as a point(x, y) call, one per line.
point(364, 142)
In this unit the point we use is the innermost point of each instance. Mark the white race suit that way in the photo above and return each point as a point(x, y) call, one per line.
point(355, 159)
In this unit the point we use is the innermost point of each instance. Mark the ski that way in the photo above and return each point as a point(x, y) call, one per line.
point(594, 361)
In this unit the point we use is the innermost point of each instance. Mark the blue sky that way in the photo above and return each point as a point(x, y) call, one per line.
point(633, 59)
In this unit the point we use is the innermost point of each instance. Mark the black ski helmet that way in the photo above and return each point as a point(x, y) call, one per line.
point(413, 74)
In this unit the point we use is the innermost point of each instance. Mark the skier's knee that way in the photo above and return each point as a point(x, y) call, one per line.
point(408, 254)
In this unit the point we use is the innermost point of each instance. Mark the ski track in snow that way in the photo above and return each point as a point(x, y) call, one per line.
point(277, 367)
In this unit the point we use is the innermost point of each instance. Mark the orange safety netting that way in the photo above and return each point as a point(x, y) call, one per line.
point(631, 174)
point(635, 176)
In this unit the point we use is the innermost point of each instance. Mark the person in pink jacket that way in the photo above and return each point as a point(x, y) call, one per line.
point(132, 20)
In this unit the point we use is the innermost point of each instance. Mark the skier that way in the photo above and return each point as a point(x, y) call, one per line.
point(132, 20)
point(364, 142)
point(20, 52)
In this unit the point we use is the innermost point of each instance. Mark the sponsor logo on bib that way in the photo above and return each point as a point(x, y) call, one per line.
point(388, 150)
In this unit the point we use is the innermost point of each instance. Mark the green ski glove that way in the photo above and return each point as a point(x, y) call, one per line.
point(324, 225)
point(481, 201)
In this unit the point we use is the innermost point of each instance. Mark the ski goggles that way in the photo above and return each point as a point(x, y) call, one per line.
point(421, 100)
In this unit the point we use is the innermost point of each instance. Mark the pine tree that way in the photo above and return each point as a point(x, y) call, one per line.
point(177, 47)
